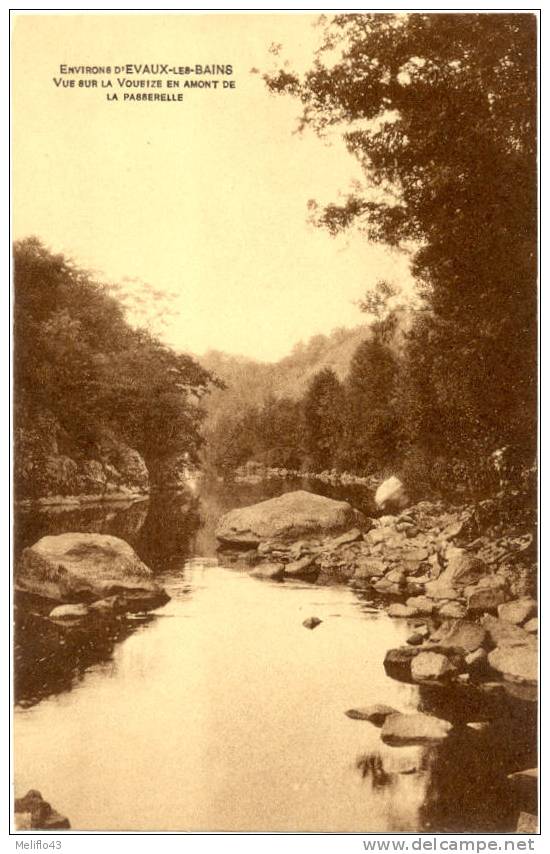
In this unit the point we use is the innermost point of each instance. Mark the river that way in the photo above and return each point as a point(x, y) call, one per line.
point(220, 711)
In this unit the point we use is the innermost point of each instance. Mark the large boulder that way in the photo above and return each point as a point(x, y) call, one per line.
point(414, 729)
point(518, 612)
point(84, 568)
point(287, 518)
point(391, 495)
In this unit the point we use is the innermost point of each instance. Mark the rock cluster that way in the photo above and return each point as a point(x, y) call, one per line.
point(34, 813)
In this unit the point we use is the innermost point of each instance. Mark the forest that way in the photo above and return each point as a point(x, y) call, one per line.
point(440, 111)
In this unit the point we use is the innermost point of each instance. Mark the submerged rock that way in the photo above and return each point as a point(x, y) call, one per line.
point(399, 729)
point(312, 622)
point(375, 714)
point(85, 567)
point(288, 517)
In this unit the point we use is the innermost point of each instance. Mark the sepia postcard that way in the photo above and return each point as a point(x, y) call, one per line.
point(275, 422)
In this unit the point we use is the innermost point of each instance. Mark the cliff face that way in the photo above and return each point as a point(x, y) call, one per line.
point(49, 462)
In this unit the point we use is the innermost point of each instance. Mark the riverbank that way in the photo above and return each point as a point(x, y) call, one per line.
point(463, 579)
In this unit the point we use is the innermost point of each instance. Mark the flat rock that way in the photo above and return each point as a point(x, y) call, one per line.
point(452, 611)
point(516, 663)
point(73, 567)
point(431, 667)
point(399, 729)
point(288, 517)
point(518, 612)
point(532, 626)
point(375, 714)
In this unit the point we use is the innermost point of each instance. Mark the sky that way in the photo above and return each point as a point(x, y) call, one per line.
point(204, 198)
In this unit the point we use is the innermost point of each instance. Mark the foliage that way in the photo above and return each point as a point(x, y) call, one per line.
point(78, 359)
point(440, 111)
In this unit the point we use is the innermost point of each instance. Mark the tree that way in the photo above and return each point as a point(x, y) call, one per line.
point(371, 434)
point(323, 419)
point(440, 111)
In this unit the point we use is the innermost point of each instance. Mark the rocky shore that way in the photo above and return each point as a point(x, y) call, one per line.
point(467, 588)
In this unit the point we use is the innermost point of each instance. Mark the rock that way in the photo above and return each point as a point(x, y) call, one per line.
point(532, 626)
point(462, 569)
point(111, 605)
point(306, 567)
point(502, 634)
point(518, 612)
point(349, 537)
point(476, 662)
point(74, 611)
point(38, 814)
point(440, 590)
point(422, 605)
point(399, 729)
point(525, 785)
point(396, 576)
point(269, 571)
point(369, 568)
point(397, 661)
point(431, 666)
point(312, 622)
point(484, 599)
point(516, 663)
point(462, 635)
point(452, 611)
point(391, 495)
point(399, 610)
point(376, 713)
point(288, 517)
point(415, 639)
point(527, 823)
point(84, 567)
point(387, 588)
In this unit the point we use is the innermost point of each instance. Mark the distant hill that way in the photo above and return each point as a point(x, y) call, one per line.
point(250, 383)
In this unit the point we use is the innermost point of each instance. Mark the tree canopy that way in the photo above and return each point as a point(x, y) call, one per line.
point(440, 111)
point(77, 358)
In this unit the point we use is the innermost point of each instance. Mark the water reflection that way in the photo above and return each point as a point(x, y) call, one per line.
point(224, 683)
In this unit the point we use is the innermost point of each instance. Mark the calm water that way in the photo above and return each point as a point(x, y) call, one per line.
point(222, 712)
